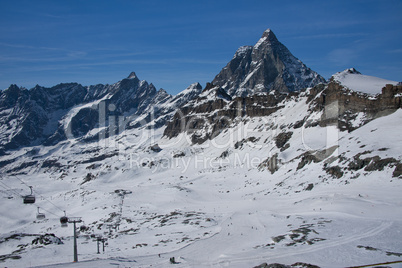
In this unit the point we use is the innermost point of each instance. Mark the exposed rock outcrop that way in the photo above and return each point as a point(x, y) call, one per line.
point(266, 66)
point(214, 110)
point(49, 115)
point(342, 106)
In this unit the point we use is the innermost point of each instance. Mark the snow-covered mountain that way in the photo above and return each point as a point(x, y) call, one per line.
point(353, 79)
point(51, 115)
point(266, 66)
point(213, 111)
point(306, 177)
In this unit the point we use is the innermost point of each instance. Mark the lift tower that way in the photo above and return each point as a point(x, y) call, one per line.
point(74, 220)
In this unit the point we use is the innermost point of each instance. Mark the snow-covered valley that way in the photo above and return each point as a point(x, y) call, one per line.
point(214, 204)
point(225, 176)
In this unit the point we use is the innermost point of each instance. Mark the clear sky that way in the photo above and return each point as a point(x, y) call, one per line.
point(175, 43)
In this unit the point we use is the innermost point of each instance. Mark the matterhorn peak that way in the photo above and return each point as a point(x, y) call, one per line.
point(266, 66)
point(269, 35)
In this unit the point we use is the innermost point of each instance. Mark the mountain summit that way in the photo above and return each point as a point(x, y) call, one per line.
point(132, 75)
point(266, 66)
point(353, 79)
point(268, 34)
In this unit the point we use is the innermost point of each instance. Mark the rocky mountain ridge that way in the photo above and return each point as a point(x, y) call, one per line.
point(213, 111)
point(51, 115)
point(266, 66)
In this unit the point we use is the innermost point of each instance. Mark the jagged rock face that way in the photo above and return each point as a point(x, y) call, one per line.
point(347, 104)
point(62, 96)
point(50, 115)
point(30, 116)
point(25, 114)
point(131, 93)
point(214, 110)
point(85, 120)
point(205, 117)
point(266, 66)
point(163, 106)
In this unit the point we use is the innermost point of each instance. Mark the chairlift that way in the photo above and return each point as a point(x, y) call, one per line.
point(64, 220)
point(83, 228)
point(40, 216)
point(29, 199)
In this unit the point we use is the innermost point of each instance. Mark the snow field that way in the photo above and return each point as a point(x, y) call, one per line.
point(363, 83)
point(212, 205)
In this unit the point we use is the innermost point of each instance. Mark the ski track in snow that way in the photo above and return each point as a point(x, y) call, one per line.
point(193, 248)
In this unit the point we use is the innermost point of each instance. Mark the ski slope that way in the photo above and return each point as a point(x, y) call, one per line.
point(211, 205)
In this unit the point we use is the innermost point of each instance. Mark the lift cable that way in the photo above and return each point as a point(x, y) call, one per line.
point(14, 192)
point(48, 211)
point(8, 188)
point(62, 210)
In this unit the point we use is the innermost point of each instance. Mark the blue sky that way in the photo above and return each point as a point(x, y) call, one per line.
point(175, 43)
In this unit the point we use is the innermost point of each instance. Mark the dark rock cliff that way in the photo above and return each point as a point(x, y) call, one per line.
point(266, 66)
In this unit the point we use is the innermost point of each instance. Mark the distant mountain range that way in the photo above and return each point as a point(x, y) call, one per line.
point(254, 83)
point(48, 115)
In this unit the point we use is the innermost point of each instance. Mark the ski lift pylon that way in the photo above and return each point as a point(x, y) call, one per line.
point(40, 216)
point(29, 199)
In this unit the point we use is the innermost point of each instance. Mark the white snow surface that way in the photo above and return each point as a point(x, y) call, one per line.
point(260, 41)
point(362, 83)
point(210, 205)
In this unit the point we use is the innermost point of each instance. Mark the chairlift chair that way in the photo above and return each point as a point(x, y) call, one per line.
point(64, 220)
point(40, 216)
point(29, 199)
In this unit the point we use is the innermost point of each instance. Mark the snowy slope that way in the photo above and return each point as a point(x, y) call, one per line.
point(332, 200)
point(363, 83)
